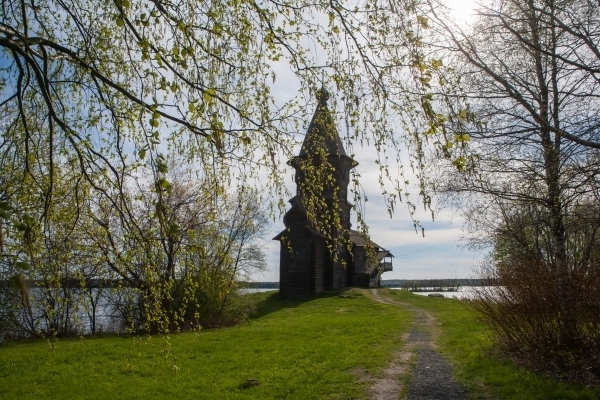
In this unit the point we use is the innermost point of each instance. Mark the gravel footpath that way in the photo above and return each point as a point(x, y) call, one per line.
point(432, 375)
point(432, 378)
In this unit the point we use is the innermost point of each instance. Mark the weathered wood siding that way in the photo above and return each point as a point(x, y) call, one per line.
point(350, 279)
point(339, 276)
point(346, 207)
point(362, 280)
point(360, 259)
point(295, 268)
point(319, 253)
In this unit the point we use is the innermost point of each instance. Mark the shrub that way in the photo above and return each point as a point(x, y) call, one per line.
point(521, 304)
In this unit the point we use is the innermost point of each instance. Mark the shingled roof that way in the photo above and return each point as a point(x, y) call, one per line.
point(359, 239)
point(322, 130)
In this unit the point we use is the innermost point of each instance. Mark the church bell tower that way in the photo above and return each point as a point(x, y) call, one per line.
point(312, 256)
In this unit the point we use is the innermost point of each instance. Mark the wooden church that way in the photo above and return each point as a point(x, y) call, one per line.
point(307, 266)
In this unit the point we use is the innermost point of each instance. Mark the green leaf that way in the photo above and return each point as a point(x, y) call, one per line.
point(217, 29)
point(163, 185)
point(142, 153)
point(154, 122)
point(120, 22)
point(423, 21)
point(459, 163)
point(162, 167)
point(15, 281)
point(462, 137)
point(208, 94)
point(24, 265)
point(5, 206)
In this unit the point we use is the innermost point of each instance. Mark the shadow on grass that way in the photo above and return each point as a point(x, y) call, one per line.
point(265, 303)
point(270, 302)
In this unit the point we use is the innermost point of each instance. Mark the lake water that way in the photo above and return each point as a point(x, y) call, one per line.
point(255, 290)
point(464, 292)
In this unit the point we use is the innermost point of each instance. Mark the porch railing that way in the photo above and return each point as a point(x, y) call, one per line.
point(375, 280)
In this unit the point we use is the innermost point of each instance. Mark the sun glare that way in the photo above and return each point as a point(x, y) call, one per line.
point(463, 11)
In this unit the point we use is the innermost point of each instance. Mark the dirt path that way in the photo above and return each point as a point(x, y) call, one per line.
point(432, 374)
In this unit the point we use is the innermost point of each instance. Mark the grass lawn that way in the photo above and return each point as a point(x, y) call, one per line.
point(296, 350)
point(466, 343)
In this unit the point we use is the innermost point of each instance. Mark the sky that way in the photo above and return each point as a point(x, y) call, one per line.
point(439, 255)
point(462, 10)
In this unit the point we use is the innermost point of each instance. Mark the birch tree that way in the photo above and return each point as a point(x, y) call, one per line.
point(515, 109)
point(108, 86)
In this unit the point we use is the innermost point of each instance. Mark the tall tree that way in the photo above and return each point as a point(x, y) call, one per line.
point(183, 248)
point(516, 110)
point(110, 85)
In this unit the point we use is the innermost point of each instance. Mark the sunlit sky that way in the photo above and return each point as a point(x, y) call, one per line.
point(440, 254)
point(462, 10)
